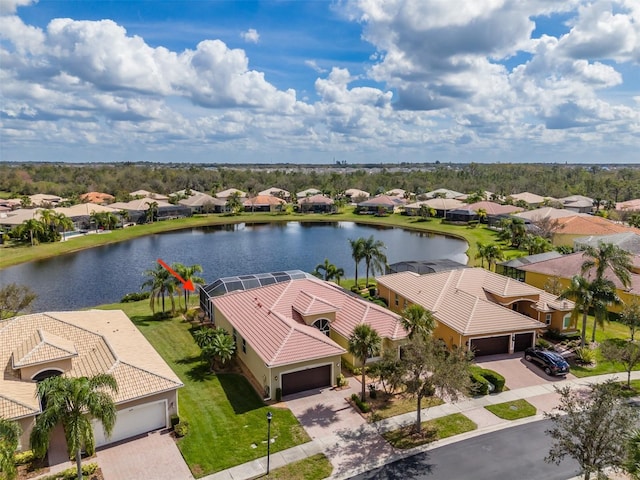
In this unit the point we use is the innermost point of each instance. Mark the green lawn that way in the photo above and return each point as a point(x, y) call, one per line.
point(512, 410)
point(315, 467)
point(398, 405)
point(432, 430)
point(227, 419)
point(12, 255)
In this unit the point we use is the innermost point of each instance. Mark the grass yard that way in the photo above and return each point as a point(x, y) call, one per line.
point(386, 407)
point(227, 419)
point(512, 410)
point(316, 467)
point(432, 430)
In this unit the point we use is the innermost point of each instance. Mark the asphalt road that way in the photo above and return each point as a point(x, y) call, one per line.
point(512, 453)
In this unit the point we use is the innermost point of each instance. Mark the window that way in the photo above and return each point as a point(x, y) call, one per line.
point(244, 346)
point(566, 322)
point(397, 300)
point(322, 324)
point(548, 319)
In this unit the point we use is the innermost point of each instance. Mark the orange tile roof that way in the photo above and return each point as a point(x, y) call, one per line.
point(464, 299)
point(493, 208)
point(97, 341)
point(591, 225)
point(96, 197)
point(268, 318)
point(263, 200)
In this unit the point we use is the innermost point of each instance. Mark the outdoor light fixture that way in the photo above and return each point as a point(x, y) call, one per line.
point(269, 417)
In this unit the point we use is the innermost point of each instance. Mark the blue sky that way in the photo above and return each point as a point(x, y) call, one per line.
point(318, 81)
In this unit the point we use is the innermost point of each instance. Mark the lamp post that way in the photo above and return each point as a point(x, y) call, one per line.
point(269, 417)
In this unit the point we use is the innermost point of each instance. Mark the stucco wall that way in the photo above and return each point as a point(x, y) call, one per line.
point(27, 373)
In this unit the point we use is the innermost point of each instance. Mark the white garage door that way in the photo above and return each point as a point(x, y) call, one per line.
point(134, 421)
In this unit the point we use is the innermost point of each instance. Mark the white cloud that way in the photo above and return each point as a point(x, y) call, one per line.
point(9, 7)
point(251, 36)
point(314, 65)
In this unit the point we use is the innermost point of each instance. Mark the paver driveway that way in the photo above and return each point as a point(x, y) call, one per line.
point(518, 373)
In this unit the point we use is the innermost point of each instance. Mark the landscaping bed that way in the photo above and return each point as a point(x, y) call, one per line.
point(432, 430)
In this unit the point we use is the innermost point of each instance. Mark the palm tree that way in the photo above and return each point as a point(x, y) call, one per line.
point(234, 205)
point(160, 283)
point(608, 255)
point(418, 320)
point(220, 349)
point(357, 253)
point(124, 216)
point(152, 211)
point(63, 222)
point(364, 342)
point(374, 258)
point(188, 273)
point(326, 267)
point(604, 295)
point(74, 402)
point(493, 254)
point(9, 439)
point(482, 215)
point(35, 229)
point(482, 252)
point(580, 292)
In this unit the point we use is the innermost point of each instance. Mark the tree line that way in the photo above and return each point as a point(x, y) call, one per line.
point(70, 180)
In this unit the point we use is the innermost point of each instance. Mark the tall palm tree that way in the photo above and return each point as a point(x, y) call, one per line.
point(9, 439)
point(357, 253)
point(364, 342)
point(604, 295)
point(188, 273)
point(579, 290)
point(493, 254)
point(482, 252)
point(73, 402)
point(417, 320)
point(608, 255)
point(124, 216)
point(63, 222)
point(35, 228)
point(326, 267)
point(152, 211)
point(374, 258)
point(160, 283)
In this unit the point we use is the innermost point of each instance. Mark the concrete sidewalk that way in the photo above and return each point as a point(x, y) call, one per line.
point(367, 438)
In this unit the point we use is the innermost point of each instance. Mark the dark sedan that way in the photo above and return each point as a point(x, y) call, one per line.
point(551, 362)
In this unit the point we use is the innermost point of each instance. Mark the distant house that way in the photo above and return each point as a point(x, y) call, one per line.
point(380, 203)
point(353, 193)
point(138, 209)
point(147, 194)
point(531, 199)
point(440, 205)
point(570, 228)
point(292, 333)
point(45, 200)
point(277, 192)
point(444, 193)
point(225, 194)
point(308, 193)
point(629, 242)
point(577, 203)
point(463, 215)
point(424, 266)
point(98, 198)
point(203, 203)
point(264, 203)
point(629, 205)
point(479, 310)
point(492, 208)
point(80, 214)
point(511, 268)
point(316, 204)
point(397, 192)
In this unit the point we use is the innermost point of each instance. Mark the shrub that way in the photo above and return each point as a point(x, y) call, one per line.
point(71, 473)
point(175, 419)
point(278, 394)
point(363, 406)
point(542, 343)
point(372, 291)
point(479, 384)
point(191, 314)
point(135, 297)
point(553, 334)
point(495, 378)
point(585, 356)
point(23, 458)
point(181, 429)
point(341, 381)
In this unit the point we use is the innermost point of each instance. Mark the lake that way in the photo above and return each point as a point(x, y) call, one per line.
point(104, 274)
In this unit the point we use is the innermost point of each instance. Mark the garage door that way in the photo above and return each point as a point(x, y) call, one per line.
point(133, 421)
point(306, 380)
point(523, 340)
point(491, 345)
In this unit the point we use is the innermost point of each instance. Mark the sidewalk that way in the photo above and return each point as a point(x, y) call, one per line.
point(544, 397)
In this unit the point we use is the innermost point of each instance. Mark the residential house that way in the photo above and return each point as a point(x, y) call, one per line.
point(277, 192)
point(45, 200)
point(354, 194)
point(629, 205)
point(37, 346)
point(577, 203)
point(531, 199)
point(479, 310)
point(316, 204)
point(564, 268)
point(397, 192)
point(629, 242)
point(138, 209)
point(292, 334)
point(444, 193)
point(307, 193)
point(570, 228)
point(264, 203)
point(225, 194)
point(98, 198)
point(440, 205)
point(463, 215)
point(511, 268)
point(80, 214)
point(424, 266)
point(203, 203)
point(380, 204)
point(494, 211)
point(147, 194)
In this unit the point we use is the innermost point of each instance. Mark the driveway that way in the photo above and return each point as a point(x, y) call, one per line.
point(153, 456)
point(518, 373)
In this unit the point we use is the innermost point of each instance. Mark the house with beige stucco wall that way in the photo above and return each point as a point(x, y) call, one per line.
point(293, 334)
point(37, 346)
point(479, 310)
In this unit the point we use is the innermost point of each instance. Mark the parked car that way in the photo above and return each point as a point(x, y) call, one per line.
point(551, 362)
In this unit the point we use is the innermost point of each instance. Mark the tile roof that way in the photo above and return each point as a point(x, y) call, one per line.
point(84, 210)
point(140, 204)
point(528, 197)
point(308, 191)
point(263, 200)
point(448, 193)
point(275, 191)
point(42, 347)
point(591, 225)
point(103, 341)
point(629, 205)
point(230, 191)
point(439, 203)
point(493, 208)
point(200, 200)
point(316, 199)
point(569, 265)
point(464, 299)
point(547, 212)
point(96, 197)
point(354, 192)
point(269, 319)
point(628, 241)
point(382, 200)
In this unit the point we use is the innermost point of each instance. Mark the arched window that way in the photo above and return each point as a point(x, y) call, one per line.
point(46, 374)
point(322, 325)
